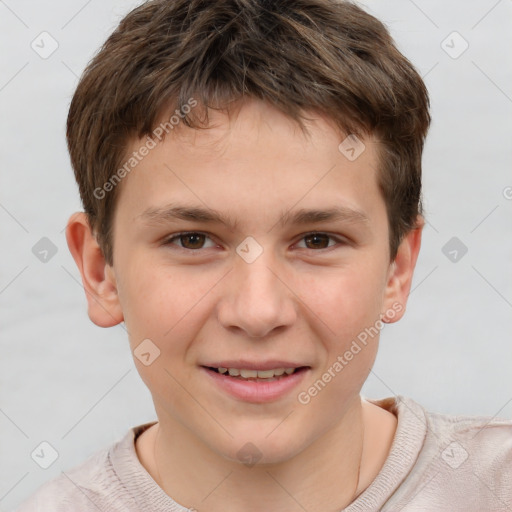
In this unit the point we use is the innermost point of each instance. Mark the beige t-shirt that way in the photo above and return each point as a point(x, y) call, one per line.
point(436, 463)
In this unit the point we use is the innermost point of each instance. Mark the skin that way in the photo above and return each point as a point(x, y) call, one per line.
point(296, 302)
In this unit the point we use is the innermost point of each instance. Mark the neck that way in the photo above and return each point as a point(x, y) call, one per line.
point(196, 476)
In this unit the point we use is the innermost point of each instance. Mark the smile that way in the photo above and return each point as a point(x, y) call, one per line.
point(256, 385)
point(267, 375)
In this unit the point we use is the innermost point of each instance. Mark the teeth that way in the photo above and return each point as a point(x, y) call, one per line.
point(264, 374)
point(248, 374)
point(253, 374)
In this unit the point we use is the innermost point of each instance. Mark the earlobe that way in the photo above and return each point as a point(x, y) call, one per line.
point(400, 274)
point(98, 278)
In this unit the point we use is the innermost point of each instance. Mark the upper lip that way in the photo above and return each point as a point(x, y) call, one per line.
point(254, 365)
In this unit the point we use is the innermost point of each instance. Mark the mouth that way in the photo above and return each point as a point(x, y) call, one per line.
point(261, 383)
point(246, 374)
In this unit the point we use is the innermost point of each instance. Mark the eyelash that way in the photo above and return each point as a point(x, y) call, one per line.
point(169, 241)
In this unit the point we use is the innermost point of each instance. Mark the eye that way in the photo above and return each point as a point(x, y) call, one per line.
point(192, 240)
point(319, 241)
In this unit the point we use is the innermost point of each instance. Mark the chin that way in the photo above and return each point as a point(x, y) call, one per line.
point(260, 450)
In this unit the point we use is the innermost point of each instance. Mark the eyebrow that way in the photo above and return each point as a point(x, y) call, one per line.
point(338, 213)
point(172, 213)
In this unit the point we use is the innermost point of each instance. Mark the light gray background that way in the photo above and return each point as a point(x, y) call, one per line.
point(68, 382)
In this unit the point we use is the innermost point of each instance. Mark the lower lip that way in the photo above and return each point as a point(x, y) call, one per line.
point(257, 391)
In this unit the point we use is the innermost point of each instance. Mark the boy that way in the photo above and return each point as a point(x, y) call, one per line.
point(251, 178)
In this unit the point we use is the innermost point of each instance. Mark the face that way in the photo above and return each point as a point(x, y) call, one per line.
point(224, 259)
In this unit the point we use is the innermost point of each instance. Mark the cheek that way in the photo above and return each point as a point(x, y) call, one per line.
point(344, 300)
point(166, 304)
point(346, 305)
point(149, 300)
point(347, 309)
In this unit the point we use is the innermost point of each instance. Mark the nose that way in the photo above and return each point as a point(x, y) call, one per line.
point(257, 299)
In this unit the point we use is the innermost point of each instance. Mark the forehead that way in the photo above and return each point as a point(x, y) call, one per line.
point(257, 161)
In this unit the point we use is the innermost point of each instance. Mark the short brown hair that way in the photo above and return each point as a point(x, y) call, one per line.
point(327, 56)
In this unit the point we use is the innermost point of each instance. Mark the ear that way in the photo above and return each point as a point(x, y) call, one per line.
point(400, 274)
point(98, 277)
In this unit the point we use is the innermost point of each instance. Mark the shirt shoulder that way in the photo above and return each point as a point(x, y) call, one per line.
point(465, 463)
point(90, 486)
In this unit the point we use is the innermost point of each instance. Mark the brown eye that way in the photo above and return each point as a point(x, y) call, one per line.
point(191, 241)
point(320, 241)
point(317, 241)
